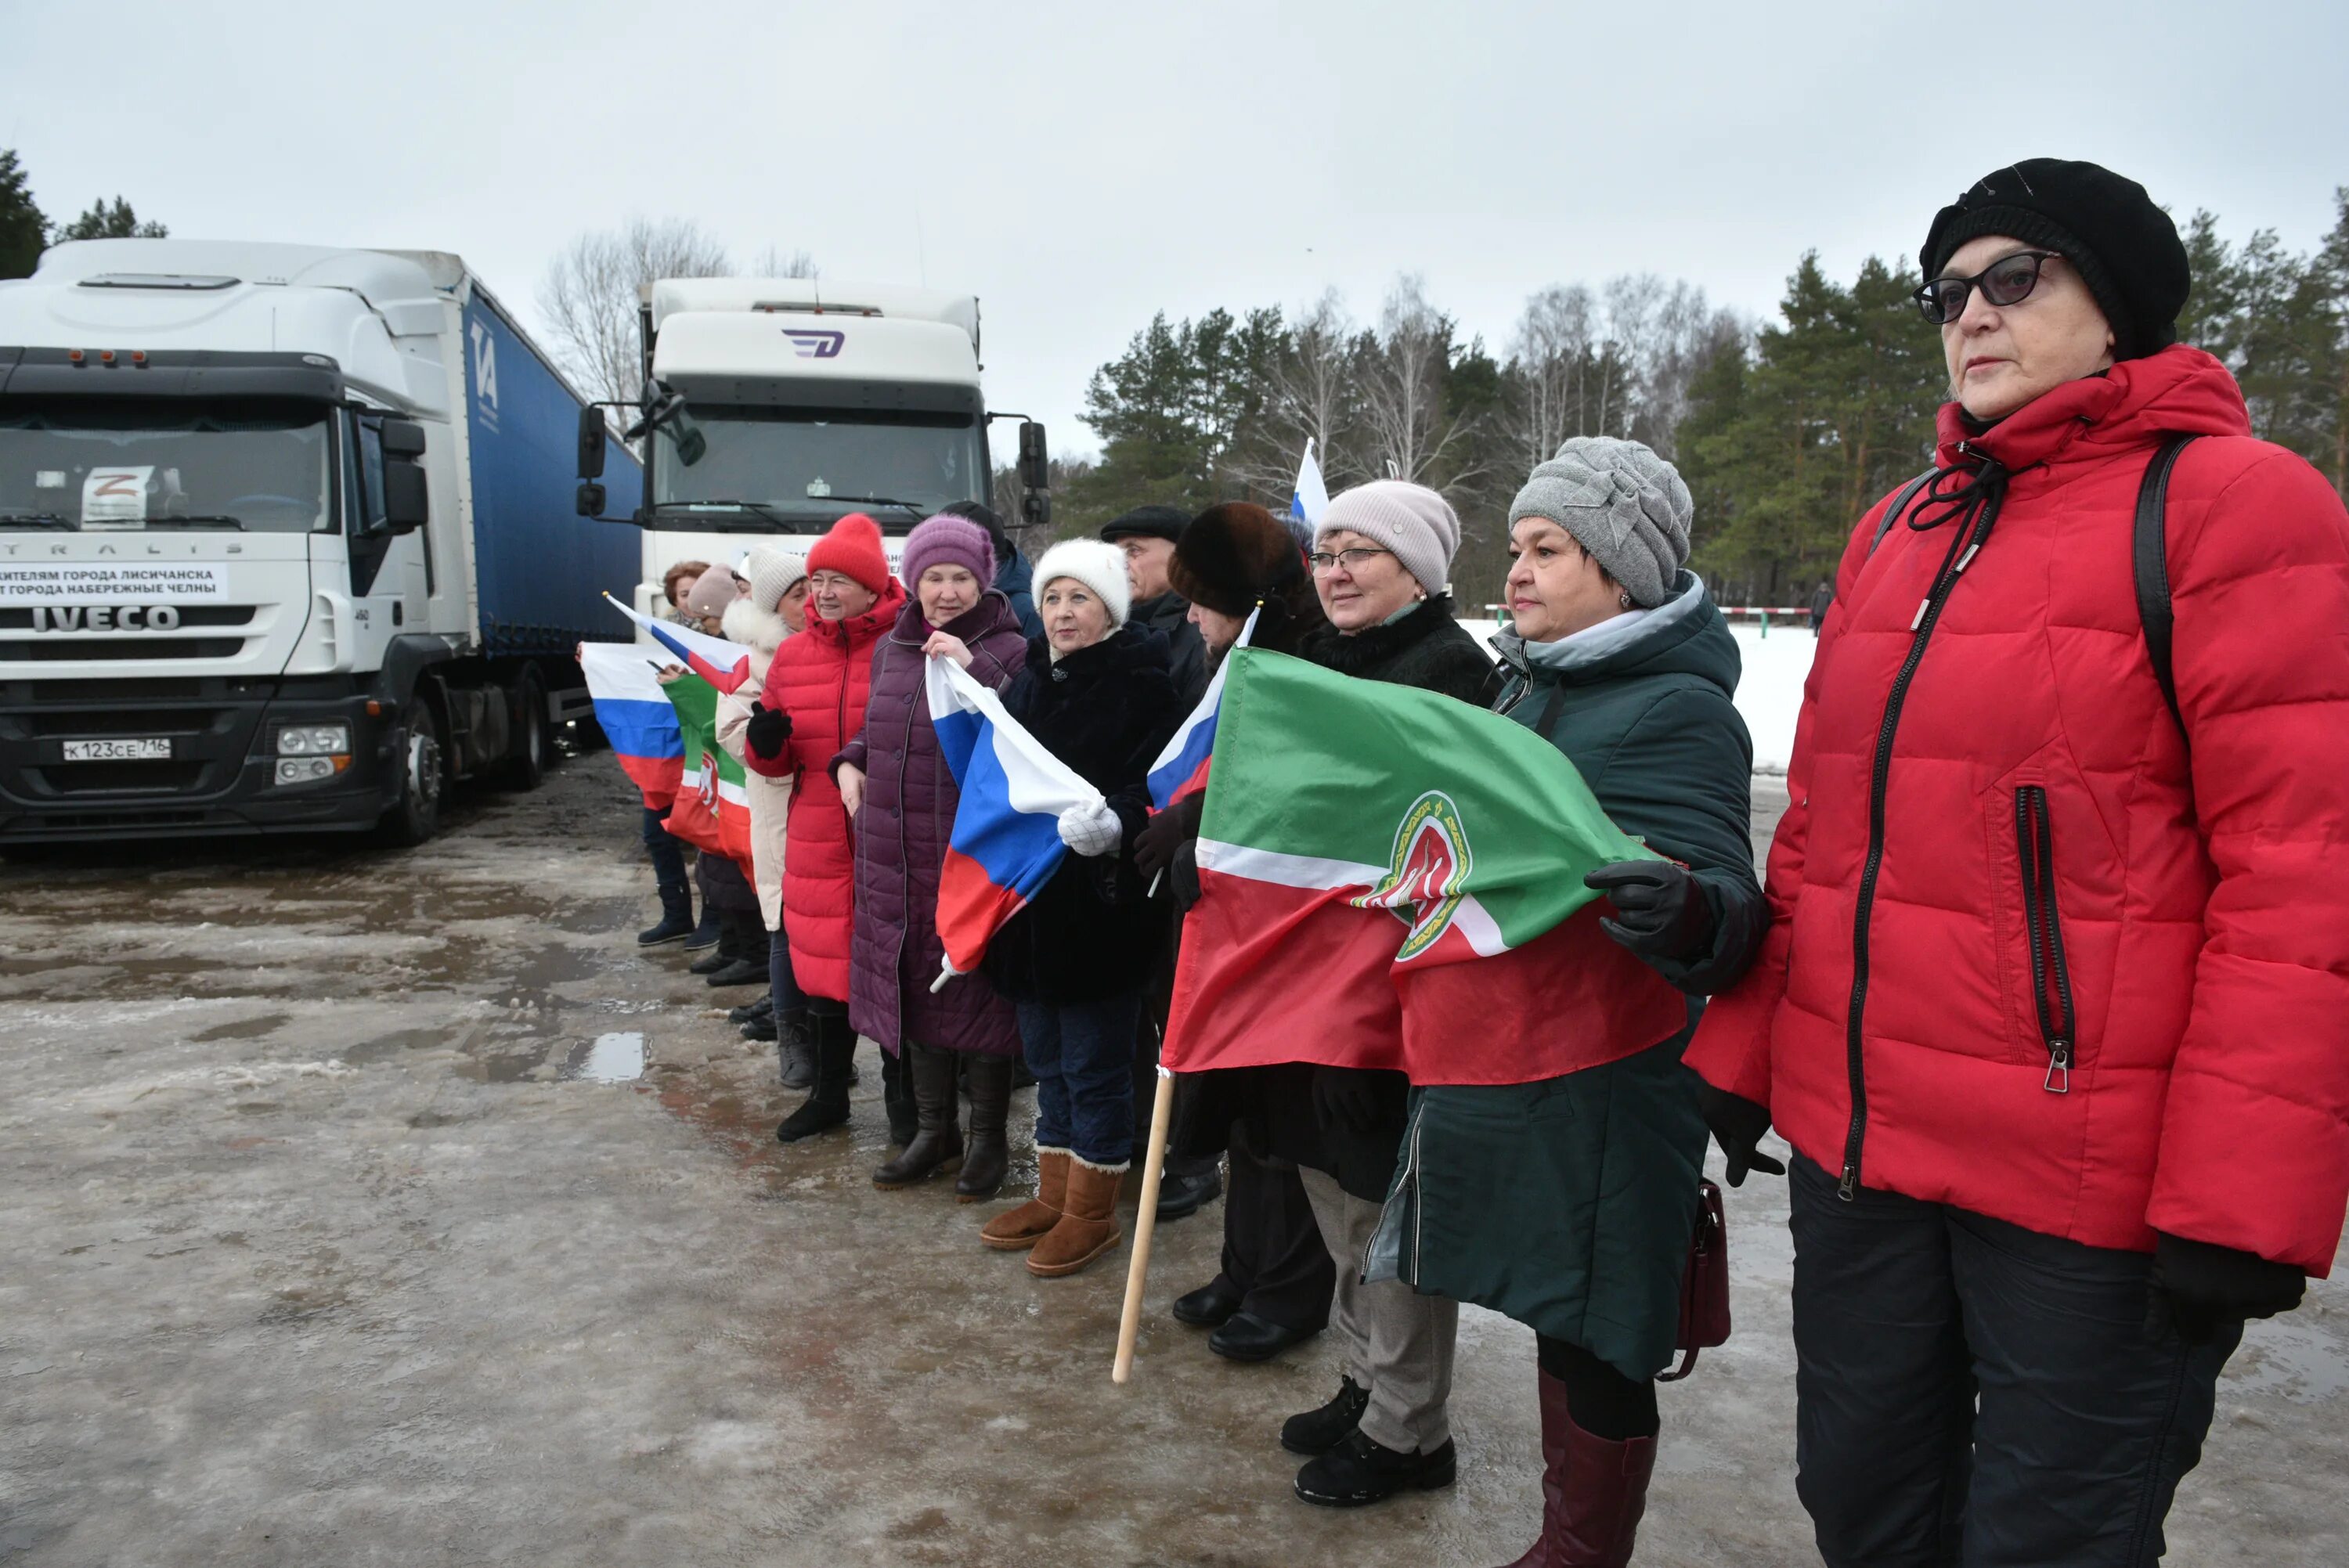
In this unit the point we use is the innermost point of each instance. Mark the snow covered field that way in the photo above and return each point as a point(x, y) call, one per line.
point(1769, 694)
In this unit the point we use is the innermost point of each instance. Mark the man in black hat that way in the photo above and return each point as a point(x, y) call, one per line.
point(1147, 535)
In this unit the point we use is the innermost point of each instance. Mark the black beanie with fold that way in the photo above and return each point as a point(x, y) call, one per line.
point(2125, 248)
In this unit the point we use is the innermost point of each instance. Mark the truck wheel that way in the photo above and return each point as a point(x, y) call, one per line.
point(532, 743)
point(416, 753)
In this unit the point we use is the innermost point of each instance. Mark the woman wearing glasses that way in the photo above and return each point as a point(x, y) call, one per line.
point(2054, 1002)
point(1382, 563)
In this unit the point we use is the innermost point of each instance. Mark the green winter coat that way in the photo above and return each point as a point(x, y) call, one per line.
point(1568, 1204)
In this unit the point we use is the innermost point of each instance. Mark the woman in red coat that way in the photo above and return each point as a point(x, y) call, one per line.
point(2055, 1003)
point(813, 703)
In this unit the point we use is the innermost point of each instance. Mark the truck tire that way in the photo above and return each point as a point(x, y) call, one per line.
point(533, 745)
point(416, 816)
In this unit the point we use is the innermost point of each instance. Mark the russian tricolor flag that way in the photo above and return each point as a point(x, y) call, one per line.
point(1005, 842)
point(636, 719)
point(723, 664)
point(1311, 498)
point(1182, 768)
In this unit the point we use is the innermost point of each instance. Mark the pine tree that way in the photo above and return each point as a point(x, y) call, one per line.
point(23, 231)
point(110, 222)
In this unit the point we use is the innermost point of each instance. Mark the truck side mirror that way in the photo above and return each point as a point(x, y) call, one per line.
point(1035, 473)
point(591, 443)
point(591, 499)
point(406, 497)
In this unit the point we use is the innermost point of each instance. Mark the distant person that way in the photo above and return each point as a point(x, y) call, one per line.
point(663, 848)
point(1147, 536)
point(676, 582)
point(705, 602)
point(2055, 1003)
point(741, 956)
point(1820, 602)
point(774, 609)
point(1013, 569)
point(814, 697)
point(1094, 690)
point(902, 796)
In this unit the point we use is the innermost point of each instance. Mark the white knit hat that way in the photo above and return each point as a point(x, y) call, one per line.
point(771, 574)
point(1100, 567)
point(1413, 520)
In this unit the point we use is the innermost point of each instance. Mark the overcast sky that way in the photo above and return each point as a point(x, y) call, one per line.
point(1079, 166)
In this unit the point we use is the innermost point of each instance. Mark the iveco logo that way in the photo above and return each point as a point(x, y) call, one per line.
point(105, 617)
point(815, 345)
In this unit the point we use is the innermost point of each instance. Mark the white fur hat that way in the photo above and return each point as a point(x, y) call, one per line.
point(1100, 567)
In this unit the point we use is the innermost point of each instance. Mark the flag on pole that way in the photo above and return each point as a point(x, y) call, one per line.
point(1390, 878)
point(1005, 842)
point(723, 664)
point(1182, 768)
point(635, 718)
point(713, 805)
point(1311, 498)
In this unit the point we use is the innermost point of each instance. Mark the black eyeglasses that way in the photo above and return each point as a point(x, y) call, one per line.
point(2007, 281)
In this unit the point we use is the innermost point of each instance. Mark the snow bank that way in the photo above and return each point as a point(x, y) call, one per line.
point(1770, 692)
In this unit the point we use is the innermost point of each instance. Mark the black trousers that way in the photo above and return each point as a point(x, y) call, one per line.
point(1273, 1252)
point(1969, 1392)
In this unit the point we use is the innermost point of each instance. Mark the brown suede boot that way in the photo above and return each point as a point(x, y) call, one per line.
point(1088, 1226)
point(1026, 1225)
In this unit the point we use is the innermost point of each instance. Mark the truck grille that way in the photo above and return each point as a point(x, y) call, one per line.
point(45, 650)
point(121, 778)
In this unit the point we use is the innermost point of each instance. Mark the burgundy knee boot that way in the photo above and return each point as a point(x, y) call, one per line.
point(1594, 1491)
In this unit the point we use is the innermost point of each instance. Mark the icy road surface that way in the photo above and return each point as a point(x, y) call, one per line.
point(338, 1230)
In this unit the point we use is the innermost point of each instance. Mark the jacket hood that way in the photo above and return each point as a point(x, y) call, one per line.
point(1684, 635)
point(2179, 390)
point(762, 631)
point(993, 612)
point(863, 628)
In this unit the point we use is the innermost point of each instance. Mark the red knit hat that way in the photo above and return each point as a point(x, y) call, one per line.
point(852, 548)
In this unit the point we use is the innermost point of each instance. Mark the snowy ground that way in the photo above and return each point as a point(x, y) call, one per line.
point(1770, 693)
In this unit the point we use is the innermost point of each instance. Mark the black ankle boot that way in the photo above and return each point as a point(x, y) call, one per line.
point(937, 1143)
point(827, 1108)
point(989, 1154)
point(677, 917)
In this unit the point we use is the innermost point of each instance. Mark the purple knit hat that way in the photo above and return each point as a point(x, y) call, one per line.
point(945, 540)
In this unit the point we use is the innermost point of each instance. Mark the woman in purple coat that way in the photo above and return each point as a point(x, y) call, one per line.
point(902, 797)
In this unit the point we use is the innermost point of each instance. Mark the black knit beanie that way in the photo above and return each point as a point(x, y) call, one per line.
point(2125, 248)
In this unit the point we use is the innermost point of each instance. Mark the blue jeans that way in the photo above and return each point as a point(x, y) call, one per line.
point(1082, 1057)
point(667, 849)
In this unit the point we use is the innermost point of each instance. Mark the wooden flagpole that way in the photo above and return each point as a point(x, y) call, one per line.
point(1145, 1222)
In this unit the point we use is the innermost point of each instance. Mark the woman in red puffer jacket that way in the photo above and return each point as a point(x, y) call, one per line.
point(812, 705)
point(2054, 1005)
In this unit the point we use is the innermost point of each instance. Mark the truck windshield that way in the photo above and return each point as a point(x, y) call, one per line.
point(119, 469)
point(791, 462)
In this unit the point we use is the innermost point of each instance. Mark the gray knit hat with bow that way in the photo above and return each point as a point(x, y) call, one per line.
point(1625, 505)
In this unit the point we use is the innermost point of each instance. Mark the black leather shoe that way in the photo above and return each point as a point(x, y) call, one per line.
point(1359, 1470)
point(740, 972)
point(1318, 1431)
point(1181, 1195)
point(760, 1028)
point(763, 1007)
point(1209, 1307)
point(1245, 1337)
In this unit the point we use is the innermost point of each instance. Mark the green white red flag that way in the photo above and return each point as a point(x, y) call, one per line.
point(1392, 877)
point(712, 810)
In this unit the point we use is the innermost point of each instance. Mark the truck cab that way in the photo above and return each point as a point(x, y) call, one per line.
point(774, 407)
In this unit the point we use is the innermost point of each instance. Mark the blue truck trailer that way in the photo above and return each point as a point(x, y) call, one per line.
point(289, 542)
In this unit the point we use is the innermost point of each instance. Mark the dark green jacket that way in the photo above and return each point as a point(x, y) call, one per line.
point(1567, 1204)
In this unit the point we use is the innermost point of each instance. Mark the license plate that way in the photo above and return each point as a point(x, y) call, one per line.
point(117, 750)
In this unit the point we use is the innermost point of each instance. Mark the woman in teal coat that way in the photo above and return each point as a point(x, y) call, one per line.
point(1568, 1203)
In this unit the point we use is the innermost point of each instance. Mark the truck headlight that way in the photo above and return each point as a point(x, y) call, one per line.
point(305, 769)
point(312, 740)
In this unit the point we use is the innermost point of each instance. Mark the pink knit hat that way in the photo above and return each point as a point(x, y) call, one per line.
point(712, 592)
point(946, 541)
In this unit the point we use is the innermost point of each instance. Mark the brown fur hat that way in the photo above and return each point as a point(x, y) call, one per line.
point(1232, 555)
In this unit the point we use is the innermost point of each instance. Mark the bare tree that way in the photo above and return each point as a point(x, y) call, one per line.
point(1400, 376)
point(1552, 349)
point(1309, 396)
point(771, 263)
point(590, 292)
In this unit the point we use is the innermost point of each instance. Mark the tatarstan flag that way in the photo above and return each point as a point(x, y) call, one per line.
point(1390, 878)
point(713, 809)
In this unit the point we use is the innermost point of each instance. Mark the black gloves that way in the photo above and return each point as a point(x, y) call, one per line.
point(1661, 912)
point(768, 729)
point(1345, 1098)
point(1155, 846)
point(1737, 1125)
point(2196, 1286)
point(1184, 876)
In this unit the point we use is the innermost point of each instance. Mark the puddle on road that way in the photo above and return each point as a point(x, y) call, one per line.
point(615, 1057)
point(384, 1047)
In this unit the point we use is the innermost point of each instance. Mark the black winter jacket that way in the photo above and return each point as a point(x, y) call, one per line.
point(1106, 711)
point(1169, 613)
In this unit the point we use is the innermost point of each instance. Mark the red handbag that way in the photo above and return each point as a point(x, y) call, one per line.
point(1705, 1285)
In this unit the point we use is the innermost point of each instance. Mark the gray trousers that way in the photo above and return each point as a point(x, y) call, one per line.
point(1399, 1343)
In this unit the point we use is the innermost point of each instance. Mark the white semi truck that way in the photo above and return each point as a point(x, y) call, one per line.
point(774, 407)
point(289, 542)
